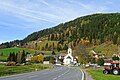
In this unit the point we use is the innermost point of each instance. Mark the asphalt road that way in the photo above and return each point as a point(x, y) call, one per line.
point(57, 73)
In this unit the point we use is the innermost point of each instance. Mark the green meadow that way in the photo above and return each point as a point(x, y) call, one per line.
point(108, 49)
point(10, 70)
point(97, 74)
point(6, 52)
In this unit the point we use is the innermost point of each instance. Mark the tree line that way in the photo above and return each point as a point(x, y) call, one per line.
point(19, 57)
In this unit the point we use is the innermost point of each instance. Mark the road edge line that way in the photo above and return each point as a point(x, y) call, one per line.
point(83, 75)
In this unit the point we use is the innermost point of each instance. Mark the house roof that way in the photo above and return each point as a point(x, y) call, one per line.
point(58, 62)
point(47, 55)
point(62, 54)
point(68, 57)
point(108, 61)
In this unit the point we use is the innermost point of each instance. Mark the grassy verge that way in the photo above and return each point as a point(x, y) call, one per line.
point(3, 58)
point(98, 75)
point(9, 70)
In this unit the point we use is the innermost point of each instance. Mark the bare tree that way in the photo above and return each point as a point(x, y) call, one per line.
point(81, 52)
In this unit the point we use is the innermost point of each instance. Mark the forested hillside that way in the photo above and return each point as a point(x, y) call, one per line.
point(94, 29)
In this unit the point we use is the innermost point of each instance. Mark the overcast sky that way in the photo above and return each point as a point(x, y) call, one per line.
point(18, 18)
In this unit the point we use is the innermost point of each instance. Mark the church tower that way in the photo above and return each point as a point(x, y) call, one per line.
point(69, 49)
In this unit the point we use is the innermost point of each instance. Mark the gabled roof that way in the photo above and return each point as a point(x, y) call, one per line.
point(68, 57)
point(62, 54)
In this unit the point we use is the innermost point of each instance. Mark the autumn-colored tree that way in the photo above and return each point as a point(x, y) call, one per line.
point(118, 40)
point(53, 46)
point(18, 57)
point(46, 46)
point(83, 56)
point(52, 60)
point(65, 47)
point(38, 58)
point(115, 37)
point(23, 57)
point(80, 60)
point(36, 45)
point(59, 48)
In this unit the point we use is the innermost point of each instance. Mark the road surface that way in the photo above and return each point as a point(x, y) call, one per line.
point(57, 73)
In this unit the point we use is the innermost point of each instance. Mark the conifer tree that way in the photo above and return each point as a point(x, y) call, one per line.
point(23, 57)
point(9, 57)
point(53, 53)
point(14, 57)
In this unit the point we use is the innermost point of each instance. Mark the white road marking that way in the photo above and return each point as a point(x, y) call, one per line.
point(82, 75)
point(52, 71)
point(61, 75)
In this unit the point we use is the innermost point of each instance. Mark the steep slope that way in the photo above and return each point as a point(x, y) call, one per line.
point(96, 28)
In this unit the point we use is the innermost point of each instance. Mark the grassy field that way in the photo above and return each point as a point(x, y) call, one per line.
point(6, 51)
point(3, 58)
point(106, 48)
point(111, 48)
point(98, 75)
point(9, 70)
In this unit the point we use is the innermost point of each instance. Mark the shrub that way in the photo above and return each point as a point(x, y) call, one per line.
point(100, 61)
point(38, 58)
point(11, 63)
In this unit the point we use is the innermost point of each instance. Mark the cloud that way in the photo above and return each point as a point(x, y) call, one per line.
point(52, 12)
point(28, 13)
point(44, 2)
point(85, 6)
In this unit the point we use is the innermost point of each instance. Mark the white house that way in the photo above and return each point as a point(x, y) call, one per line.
point(28, 57)
point(46, 62)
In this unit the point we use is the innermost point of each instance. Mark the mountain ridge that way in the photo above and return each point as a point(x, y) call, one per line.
point(95, 28)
